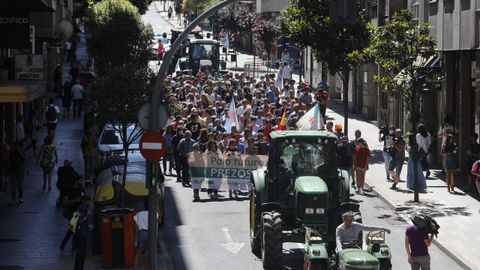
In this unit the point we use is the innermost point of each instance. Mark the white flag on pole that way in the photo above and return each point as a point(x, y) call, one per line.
point(312, 120)
point(232, 118)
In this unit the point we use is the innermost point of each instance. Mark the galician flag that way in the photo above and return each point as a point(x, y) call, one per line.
point(312, 120)
point(232, 118)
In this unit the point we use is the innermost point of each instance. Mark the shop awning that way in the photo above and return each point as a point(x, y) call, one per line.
point(21, 91)
point(432, 61)
point(25, 5)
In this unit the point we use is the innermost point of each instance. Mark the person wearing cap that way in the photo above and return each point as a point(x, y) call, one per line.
point(417, 242)
point(350, 230)
point(398, 156)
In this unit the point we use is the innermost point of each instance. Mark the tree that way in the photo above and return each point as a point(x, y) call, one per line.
point(197, 5)
point(401, 49)
point(141, 5)
point(120, 44)
point(308, 23)
point(265, 32)
point(117, 35)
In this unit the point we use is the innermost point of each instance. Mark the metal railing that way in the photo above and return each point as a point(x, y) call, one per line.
point(259, 69)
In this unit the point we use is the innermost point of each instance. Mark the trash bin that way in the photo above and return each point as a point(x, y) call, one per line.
point(118, 233)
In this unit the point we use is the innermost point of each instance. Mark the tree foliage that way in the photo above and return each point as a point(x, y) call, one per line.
point(401, 48)
point(197, 5)
point(237, 17)
point(141, 5)
point(117, 35)
point(307, 23)
point(266, 32)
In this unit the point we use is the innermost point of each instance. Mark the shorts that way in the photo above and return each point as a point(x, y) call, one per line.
point(396, 164)
point(142, 239)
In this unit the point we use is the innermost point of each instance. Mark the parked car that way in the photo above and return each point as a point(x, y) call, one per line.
point(110, 141)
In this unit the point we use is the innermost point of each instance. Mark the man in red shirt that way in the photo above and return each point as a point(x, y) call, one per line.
point(267, 129)
point(160, 51)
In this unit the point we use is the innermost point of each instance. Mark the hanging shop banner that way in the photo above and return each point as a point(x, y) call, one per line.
point(29, 67)
point(223, 171)
point(14, 30)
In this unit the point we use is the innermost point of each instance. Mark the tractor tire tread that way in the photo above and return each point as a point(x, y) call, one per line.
point(273, 245)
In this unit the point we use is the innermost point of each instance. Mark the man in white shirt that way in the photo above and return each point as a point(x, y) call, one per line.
point(78, 92)
point(141, 222)
point(286, 73)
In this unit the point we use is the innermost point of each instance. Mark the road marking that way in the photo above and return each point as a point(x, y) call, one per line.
point(230, 245)
point(157, 146)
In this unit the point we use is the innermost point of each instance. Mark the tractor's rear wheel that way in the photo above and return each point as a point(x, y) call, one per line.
point(255, 229)
point(272, 240)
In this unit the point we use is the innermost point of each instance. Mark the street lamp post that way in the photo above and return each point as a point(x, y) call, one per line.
point(153, 171)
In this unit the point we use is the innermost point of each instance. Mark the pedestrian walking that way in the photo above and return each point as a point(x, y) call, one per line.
point(286, 73)
point(213, 186)
point(345, 154)
point(449, 151)
point(36, 127)
point(20, 130)
point(47, 159)
point(424, 142)
point(168, 136)
point(417, 242)
point(169, 12)
point(361, 159)
point(78, 94)
point(67, 98)
point(72, 199)
point(83, 227)
point(185, 146)
point(51, 115)
point(386, 136)
point(176, 155)
point(67, 176)
point(17, 173)
point(398, 156)
point(473, 154)
point(160, 51)
point(89, 151)
point(141, 224)
point(196, 156)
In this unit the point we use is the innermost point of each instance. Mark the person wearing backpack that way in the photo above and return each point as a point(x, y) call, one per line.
point(51, 115)
point(47, 159)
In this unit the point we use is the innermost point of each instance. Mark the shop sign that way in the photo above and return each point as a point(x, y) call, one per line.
point(14, 30)
point(29, 67)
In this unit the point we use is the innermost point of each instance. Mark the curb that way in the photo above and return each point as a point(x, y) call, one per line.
point(452, 254)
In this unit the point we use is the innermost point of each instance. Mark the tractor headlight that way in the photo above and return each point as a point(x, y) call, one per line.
point(320, 211)
point(309, 211)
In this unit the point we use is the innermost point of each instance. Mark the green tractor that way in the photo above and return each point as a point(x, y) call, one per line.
point(301, 190)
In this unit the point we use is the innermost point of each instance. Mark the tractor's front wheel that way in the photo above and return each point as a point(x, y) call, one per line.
point(272, 240)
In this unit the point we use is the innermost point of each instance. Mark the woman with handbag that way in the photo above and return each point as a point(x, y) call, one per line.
point(47, 159)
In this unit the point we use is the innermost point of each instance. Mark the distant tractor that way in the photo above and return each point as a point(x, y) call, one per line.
point(201, 55)
point(299, 197)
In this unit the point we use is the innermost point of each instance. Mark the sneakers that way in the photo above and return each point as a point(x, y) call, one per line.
point(394, 186)
point(427, 174)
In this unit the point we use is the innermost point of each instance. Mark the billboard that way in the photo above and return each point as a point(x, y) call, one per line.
point(29, 67)
point(14, 30)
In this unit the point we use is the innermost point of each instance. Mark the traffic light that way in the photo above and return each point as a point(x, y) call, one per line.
point(343, 11)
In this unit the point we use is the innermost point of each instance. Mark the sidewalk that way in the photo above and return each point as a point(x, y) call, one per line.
point(457, 214)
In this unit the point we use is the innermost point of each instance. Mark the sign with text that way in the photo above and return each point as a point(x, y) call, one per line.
point(29, 67)
point(223, 171)
point(14, 30)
